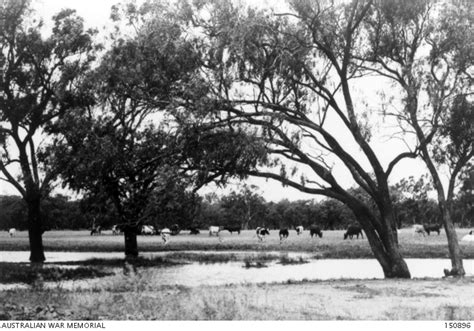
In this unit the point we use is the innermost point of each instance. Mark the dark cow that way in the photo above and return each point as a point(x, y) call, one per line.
point(432, 228)
point(96, 230)
point(284, 233)
point(353, 230)
point(315, 230)
point(194, 230)
point(233, 229)
point(175, 229)
point(262, 232)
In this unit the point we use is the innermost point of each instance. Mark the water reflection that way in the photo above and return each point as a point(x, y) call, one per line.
point(196, 274)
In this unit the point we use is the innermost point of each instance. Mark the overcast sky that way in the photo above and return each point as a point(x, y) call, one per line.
point(96, 14)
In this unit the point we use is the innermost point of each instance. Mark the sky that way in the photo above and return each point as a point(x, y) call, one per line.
point(96, 15)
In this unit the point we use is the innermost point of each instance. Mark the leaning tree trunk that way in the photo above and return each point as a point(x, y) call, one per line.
point(35, 230)
point(384, 244)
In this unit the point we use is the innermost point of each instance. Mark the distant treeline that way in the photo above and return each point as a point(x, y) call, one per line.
point(245, 209)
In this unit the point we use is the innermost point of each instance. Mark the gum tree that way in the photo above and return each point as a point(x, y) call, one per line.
point(290, 78)
point(426, 48)
point(38, 80)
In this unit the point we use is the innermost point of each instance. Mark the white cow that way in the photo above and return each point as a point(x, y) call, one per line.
point(299, 230)
point(116, 230)
point(419, 229)
point(469, 236)
point(214, 230)
point(12, 232)
point(165, 235)
point(148, 230)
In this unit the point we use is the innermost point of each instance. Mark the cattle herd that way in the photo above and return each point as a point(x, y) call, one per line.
point(352, 231)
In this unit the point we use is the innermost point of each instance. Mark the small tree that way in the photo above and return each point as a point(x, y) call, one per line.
point(427, 49)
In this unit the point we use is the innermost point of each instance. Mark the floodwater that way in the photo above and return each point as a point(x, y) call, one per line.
point(196, 274)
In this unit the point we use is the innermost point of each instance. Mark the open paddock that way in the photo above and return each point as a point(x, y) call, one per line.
point(331, 245)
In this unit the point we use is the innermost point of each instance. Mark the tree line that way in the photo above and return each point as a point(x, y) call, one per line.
point(192, 92)
point(244, 208)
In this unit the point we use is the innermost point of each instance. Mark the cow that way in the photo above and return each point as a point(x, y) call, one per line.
point(431, 228)
point(148, 230)
point(233, 229)
point(116, 230)
point(175, 229)
point(262, 232)
point(194, 230)
point(469, 236)
point(214, 230)
point(353, 230)
point(12, 232)
point(284, 233)
point(165, 235)
point(97, 230)
point(419, 229)
point(299, 230)
point(315, 231)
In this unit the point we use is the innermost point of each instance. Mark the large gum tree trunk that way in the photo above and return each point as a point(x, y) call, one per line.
point(389, 257)
point(35, 231)
point(457, 268)
point(384, 245)
point(131, 246)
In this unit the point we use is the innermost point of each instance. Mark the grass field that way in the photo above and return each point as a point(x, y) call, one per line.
point(135, 296)
point(331, 245)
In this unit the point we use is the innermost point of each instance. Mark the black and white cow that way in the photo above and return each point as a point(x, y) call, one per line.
point(284, 233)
point(97, 230)
point(299, 229)
point(165, 235)
point(116, 230)
point(469, 236)
point(353, 230)
point(315, 231)
point(262, 232)
point(214, 230)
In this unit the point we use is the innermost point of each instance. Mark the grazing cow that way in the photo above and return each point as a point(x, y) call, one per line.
point(284, 233)
point(315, 231)
point(165, 235)
point(233, 229)
point(353, 230)
point(96, 230)
point(194, 230)
point(419, 229)
point(299, 230)
point(432, 228)
point(469, 236)
point(116, 230)
point(262, 232)
point(12, 232)
point(214, 230)
point(148, 230)
point(175, 229)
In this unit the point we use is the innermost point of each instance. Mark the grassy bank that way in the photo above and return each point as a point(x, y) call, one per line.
point(138, 299)
point(330, 246)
